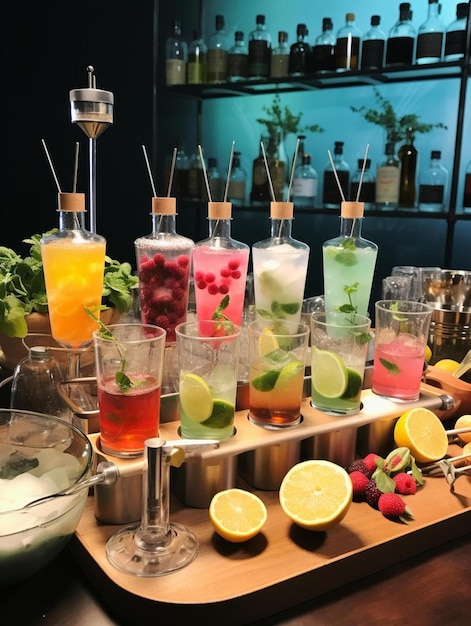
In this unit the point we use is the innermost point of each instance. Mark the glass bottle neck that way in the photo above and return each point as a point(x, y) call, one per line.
point(281, 229)
point(163, 223)
point(71, 220)
point(350, 227)
point(220, 228)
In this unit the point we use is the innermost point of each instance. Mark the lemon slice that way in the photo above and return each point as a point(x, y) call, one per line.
point(329, 374)
point(237, 515)
point(267, 342)
point(421, 431)
point(195, 397)
point(316, 494)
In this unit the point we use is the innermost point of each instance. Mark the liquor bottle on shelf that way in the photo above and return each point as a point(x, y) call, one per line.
point(433, 185)
point(455, 35)
point(180, 177)
point(176, 56)
point(218, 47)
point(387, 181)
point(332, 197)
point(277, 164)
point(196, 183)
point(467, 189)
point(347, 46)
point(430, 36)
point(238, 59)
point(197, 61)
point(323, 50)
point(259, 50)
point(305, 183)
point(373, 46)
point(408, 157)
point(260, 191)
point(401, 39)
point(279, 63)
point(237, 182)
point(300, 53)
point(216, 184)
point(367, 189)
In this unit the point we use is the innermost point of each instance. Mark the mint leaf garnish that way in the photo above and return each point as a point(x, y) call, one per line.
point(391, 367)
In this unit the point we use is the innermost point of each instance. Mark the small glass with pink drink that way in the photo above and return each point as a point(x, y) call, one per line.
point(220, 269)
point(401, 334)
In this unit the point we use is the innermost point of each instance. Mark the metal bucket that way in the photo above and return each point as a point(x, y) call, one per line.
point(449, 334)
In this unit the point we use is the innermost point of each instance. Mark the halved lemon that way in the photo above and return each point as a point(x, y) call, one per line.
point(195, 397)
point(237, 515)
point(316, 494)
point(421, 431)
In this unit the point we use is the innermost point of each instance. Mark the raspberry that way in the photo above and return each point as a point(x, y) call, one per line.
point(358, 466)
point(370, 462)
point(236, 274)
point(234, 264)
point(223, 289)
point(199, 276)
point(183, 260)
point(159, 259)
point(201, 284)
point(213, 289)
point(210, 277)
point(392, 506)
point(225, 273)
point(359, 483)
point(162, 321)
point(405, 484)
point(373, 494)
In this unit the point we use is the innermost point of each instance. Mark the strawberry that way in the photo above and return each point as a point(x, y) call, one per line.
point(370, 462)
point(405, 484)
point(359, 483)
point(392, 506)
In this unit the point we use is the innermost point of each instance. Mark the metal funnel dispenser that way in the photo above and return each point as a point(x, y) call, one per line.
point(92, 108)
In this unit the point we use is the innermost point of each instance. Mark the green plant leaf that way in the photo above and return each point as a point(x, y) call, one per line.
point(391, 367)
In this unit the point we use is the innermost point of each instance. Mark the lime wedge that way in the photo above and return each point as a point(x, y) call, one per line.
point(267, 342)
point(266, 381)
point(268, 283)
point(222, 415)
point(354, 384)
point(329, 374)
point(195, 397)
point(287, 374)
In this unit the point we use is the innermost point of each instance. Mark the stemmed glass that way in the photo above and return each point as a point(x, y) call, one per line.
point(157, 546)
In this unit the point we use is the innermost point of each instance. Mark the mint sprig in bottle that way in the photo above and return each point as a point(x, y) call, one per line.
point(348, 265)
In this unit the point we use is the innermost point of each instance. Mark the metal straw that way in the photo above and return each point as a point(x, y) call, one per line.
point(362, 172)
point(272, 191)
point(229, 171)
point(149, 171)
point(51, 166)
point(293, 167)
point(172, 172)
point(208, 190)
point(76, 161)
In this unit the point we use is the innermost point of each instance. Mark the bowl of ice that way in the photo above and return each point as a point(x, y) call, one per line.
point(42, 459)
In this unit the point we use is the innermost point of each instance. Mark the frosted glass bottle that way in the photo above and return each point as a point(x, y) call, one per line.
point(433, 185)
point(237, 182)
point(259, 50)
point(401, 39)
point(163, 264)
point(300, 53)
point(373, 46)
point(305, 183)
point(197, 65)
point(430, 37)
point(323, 50)
point(279, 63)
point(368, 187)
point(331, 194)
point(280, 268)
point(176, 56)
point(238, 59)
point(455, 35)
point(218, 48)
point(347, 46)
point(387, 181)
point(349, 262)
point(220, 268)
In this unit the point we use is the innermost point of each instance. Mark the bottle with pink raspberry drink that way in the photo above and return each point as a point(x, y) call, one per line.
point(164, 266)
point(220, 268)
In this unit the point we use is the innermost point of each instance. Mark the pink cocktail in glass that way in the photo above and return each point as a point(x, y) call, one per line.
point(398, 367)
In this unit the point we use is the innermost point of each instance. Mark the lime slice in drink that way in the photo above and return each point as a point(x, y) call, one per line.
point(267, 342)
point(354, 384)
point(329, 374)
point(266, 381)
point(288, 373)
point(222, 415)
point(195, 397)
point(269, 285)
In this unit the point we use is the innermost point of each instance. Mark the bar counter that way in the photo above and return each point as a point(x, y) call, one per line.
point(430, 589)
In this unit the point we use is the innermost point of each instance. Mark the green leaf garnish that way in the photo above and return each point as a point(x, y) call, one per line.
point(346, 258)
point(391, 367)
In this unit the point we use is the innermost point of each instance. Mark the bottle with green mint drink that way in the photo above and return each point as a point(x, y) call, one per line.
point(348, 265)
point(280, 268)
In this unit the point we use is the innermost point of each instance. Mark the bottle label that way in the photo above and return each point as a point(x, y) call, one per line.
point(431, 194)
point(372, 54)
point(217, 66)
point(467, 191)
point(400, 51)
point(429, 45)
point(387, 184)
point(259, 58)
point(175, 72)
point(331, 193)
point(347, 50)
point(305, 187)
point(197, 72)
point(236, 190)
point(323, 58)
point(237, 66)
point(455, 43)
point(279, 65)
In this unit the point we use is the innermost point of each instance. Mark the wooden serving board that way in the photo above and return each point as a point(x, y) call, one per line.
point(284, 565)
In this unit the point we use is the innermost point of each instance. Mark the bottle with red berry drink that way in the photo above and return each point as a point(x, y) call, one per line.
point(164, 267)
point(280, 268)
point(220, 268)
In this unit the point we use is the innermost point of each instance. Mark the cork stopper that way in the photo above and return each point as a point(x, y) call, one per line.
point(352, 210)
point(281, 210)
point(71, 202)
point(219, 210)
point(164, 206)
